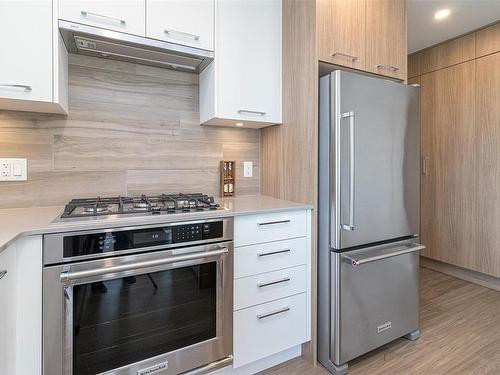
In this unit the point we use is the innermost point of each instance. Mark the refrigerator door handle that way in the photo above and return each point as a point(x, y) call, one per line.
point(350, 226)
point(399, 251)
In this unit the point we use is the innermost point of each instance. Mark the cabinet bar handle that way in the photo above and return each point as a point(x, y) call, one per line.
point(2, 274)
point(87, 13)
point(283, 280)
point(267, 315)
point(182, 33)
point(25, 87)
point(387, 66)
point(251, 112)
point(273, 222)
point(273, 252)
point(353, 58)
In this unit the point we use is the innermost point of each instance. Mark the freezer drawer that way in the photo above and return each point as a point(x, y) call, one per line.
point(378, 297)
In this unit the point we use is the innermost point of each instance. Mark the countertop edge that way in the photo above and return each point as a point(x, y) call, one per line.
point(75, 226)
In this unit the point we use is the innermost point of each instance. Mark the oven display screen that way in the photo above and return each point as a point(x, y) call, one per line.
point(152, 237)
point(110, 241)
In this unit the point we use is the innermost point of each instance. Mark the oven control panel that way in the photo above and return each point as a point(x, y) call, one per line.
point(119, 240)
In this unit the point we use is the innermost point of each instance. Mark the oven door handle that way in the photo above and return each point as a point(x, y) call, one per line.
point(68, 275)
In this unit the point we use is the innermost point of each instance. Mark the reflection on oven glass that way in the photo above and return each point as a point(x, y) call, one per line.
point(122, 321)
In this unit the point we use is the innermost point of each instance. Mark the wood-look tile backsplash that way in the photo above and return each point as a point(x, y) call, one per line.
point(131, 129)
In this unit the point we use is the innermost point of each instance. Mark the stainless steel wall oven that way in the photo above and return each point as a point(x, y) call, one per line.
point(139, 300)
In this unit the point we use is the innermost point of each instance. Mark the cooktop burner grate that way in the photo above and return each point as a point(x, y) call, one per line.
point(155, 204)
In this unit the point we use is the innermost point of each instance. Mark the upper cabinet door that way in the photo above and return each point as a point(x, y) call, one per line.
point(26, 62)
point(341, 32)
point(186, 22)
point(248, 54)
point(124, 16)
point(386, 38)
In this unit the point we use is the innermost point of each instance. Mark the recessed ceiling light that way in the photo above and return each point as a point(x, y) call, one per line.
point(442, 14)
point(239, 124)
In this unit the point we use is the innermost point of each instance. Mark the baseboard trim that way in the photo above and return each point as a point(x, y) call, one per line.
point(475, 277)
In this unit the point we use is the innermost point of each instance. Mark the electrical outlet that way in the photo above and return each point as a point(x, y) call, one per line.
point(13, 170)
point(247, 169)
point(5, 169)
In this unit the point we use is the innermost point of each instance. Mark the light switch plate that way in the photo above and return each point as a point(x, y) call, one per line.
point(13, 169)
point(247, 169)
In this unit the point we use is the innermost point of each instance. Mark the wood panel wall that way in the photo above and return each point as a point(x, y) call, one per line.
point(460, 105)
point(131, 129)
point(289, 153)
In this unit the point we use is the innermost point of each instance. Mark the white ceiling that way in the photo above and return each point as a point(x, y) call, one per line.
point(466, 15)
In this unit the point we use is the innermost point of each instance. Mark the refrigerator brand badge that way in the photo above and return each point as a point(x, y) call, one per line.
point(384, 327)
point(153, 369)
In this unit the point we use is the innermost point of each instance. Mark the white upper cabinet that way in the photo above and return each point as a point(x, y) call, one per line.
point(124, 16)
point(186, 22)
point(33, 65)
point(243, 84)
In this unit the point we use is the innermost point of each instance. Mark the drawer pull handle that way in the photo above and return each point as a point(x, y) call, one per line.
point(267, 315)
point(283, 280)
point(242, 111)
point(352, 57)
point(86, 13)
point(182, 33)
point(25, 87)
point(274, 252)
point(388, 67)
point(2, 274)
point(264, 223)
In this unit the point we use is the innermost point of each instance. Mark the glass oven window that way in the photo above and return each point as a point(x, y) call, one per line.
point(121, 321)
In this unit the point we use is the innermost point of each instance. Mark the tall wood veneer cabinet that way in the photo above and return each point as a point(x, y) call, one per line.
point(368, 35)
point(460, 105)
point(448, 149)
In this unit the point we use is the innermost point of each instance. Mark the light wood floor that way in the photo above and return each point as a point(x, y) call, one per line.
point(460, 324)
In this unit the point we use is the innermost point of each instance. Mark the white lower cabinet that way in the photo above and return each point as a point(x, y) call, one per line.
point(272, 286)
point(21, 308)
point(269, 328)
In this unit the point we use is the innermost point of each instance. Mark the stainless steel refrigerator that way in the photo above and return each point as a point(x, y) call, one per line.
point(368, 215)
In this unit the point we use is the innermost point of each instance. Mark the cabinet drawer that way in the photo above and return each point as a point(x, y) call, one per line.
point(124, 16)
point(267, 329)
point(267, 257)
point(253, 229)
point(266, 287)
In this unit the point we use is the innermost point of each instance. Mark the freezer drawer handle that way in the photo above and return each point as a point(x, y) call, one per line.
point(267, 315)
point(274, 252)
point(261, 224)
point(283, 280)
point(68, 276)
point(357, 262)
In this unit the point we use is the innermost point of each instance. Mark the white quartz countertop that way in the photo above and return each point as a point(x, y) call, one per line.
point(19, 222)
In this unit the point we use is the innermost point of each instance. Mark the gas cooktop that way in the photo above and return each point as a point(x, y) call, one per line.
point(144, 204)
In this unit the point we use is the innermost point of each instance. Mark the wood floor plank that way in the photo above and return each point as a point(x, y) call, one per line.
point(460, 324)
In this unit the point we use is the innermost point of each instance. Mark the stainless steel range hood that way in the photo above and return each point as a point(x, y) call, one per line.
point(93, 41)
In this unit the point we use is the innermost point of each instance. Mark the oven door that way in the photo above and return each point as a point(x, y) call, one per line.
point(164, 312)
